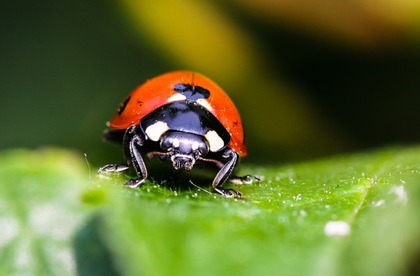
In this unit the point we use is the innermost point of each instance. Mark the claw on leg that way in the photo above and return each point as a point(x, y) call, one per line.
point(246, 179)
point(112, 168)
point(134, 183)
point(229, 192)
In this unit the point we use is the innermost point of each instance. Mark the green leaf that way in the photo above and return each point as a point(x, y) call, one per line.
point(39, 211)
point(354, 215)
point(348, 215)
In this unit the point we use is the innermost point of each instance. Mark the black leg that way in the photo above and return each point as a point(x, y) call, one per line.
point(225, 173)
point(131, 141)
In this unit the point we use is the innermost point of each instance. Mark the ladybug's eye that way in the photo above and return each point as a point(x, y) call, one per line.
point(167, 144)
point(203, 148)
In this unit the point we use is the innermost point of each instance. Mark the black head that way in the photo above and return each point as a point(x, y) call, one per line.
point(183, 148)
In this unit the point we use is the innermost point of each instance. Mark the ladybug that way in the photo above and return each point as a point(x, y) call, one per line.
point(183, 117)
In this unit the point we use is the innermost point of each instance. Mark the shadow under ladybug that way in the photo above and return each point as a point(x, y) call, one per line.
point(161, 172)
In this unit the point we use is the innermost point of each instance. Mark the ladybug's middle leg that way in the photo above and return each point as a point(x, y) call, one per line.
point(224, 174)
point(132, 140)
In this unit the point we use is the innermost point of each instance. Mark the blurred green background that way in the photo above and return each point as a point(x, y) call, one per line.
point(311, 78)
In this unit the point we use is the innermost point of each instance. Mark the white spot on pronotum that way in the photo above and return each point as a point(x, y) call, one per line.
point(156, 130)
point(176, 97)
point(337, 228)
point(204, 103)
point(215, 142)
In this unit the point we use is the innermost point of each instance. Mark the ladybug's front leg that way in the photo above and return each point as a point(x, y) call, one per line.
point(131, 141)
point(225, 172)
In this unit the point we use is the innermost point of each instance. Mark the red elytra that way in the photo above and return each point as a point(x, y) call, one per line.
point(155, 93)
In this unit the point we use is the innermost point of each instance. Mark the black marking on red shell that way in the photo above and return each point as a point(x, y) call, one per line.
point(123, 105)
point(192, 92)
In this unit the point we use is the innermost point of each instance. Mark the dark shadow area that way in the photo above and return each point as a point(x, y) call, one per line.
point(163, 174)
point(414, 265)
point(93, 257)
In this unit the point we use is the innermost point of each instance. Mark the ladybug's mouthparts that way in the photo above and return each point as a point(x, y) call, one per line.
point(181, 161)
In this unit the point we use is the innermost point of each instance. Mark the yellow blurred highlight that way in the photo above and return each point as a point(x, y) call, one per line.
point(363, 23)
point(402, 14)
point(196, 35)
